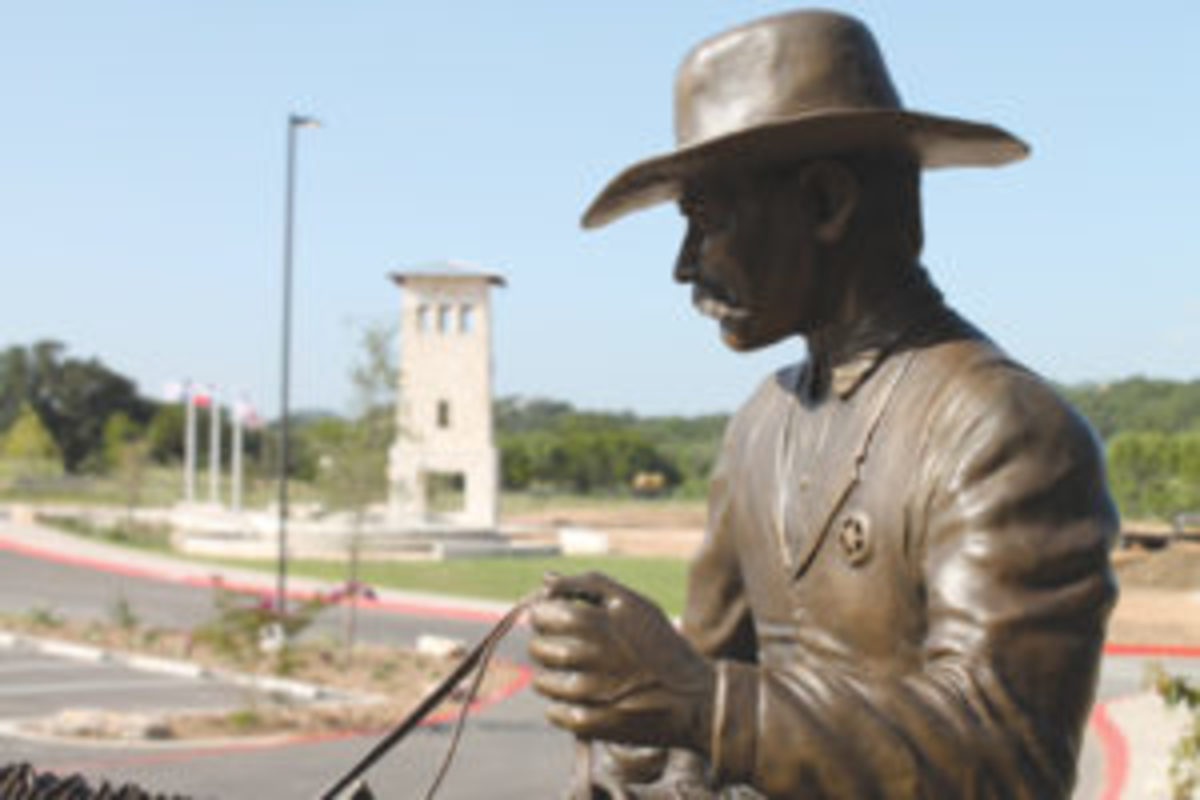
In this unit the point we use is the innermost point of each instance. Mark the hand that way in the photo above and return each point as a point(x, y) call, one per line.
point(615, 668)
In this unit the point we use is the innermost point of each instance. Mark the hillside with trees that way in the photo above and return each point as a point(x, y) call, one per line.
point(72, 398)
point(69, 416)
point(1151, 432)
point(549, 445)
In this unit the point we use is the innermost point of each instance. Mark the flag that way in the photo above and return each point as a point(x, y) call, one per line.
point(202, 395)
point(174, 391)
point(246, 415)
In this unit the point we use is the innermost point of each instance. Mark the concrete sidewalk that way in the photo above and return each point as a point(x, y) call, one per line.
point(1149, 730)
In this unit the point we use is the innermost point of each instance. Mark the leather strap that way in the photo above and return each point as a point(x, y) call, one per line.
point(479, 658)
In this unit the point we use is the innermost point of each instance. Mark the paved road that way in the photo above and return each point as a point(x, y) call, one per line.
point(508, 752)
point(38, 684)
point(28, 583)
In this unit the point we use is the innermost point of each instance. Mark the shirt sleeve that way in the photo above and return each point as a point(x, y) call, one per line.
point(716, 618)
point(1015, 526)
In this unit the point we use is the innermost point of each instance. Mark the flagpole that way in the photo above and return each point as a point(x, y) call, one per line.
point(235, 488)
point(189, 447)
point(214, 452)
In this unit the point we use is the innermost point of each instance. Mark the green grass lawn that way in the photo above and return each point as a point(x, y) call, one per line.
point(158, 486)
point(505, 579)
point(661, 579)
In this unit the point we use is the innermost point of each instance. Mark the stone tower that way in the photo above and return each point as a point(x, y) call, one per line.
point(445, 448)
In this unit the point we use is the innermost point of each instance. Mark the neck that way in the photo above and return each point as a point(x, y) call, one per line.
point(871, 313)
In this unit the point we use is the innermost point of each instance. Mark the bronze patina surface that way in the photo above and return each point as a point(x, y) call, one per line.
point(905, 580)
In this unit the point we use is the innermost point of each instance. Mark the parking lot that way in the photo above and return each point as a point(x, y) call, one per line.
point(42, 680)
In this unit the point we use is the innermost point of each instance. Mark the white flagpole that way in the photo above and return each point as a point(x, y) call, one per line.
point(189, 448)
point(214, 452)
point(235, 488)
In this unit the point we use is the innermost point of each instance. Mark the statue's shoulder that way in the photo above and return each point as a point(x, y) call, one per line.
point(972, 384)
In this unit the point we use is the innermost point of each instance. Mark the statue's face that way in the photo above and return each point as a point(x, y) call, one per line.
point(750, 255)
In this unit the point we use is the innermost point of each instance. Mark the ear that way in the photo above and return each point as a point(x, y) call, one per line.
point(835, 193)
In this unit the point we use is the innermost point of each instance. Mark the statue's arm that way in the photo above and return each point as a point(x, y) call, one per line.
point(717, 623)
point(1016, 525)
point(717, 619)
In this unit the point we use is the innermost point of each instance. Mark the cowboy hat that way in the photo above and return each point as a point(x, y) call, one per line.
point(796, 85)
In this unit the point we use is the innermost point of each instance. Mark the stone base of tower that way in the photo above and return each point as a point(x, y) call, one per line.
point(447, 490)
point(255, 534)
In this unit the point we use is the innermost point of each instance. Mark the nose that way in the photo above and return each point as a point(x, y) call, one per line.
point(687, 267)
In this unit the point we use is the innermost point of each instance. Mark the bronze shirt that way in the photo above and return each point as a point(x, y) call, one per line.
point(905, 577)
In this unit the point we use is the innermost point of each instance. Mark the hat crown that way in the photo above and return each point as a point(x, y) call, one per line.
point(779, 68)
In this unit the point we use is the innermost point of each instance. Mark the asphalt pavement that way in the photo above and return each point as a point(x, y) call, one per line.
point(508, 751)
point(37, 684)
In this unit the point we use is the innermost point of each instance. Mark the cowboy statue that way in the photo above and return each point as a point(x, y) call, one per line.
point(904, 582)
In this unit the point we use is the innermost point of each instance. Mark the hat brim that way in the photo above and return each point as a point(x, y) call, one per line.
point(935, 142)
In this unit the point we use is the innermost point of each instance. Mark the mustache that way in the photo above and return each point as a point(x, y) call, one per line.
point(717, 302)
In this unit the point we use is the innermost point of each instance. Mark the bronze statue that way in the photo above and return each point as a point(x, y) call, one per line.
point(905, 579)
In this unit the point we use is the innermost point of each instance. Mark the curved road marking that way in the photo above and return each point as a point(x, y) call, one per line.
point(1116, 752)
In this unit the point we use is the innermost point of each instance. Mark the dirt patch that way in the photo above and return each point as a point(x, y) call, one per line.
point(635, 529)
point(1160, 596)
point(1155, 616)
point(1174, 567)
point(646, 515)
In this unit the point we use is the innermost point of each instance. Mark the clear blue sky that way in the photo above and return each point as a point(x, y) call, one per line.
point(142, 163)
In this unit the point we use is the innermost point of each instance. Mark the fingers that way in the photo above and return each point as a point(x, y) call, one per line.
point(570, 686)
point(583, 721)
point(565, 617)
point(566, 652)
point(598, 722)
point(591, 587)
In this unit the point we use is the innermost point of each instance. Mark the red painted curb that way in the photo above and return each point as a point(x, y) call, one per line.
point(411, 607)
point(1162, 650)
point(1116, 752)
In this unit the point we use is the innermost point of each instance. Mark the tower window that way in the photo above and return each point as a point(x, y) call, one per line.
point(466, 318)
point(423, 318)
point(443, 413)
point(443, 318)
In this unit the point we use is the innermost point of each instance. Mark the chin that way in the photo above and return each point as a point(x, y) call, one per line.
point(741, 343)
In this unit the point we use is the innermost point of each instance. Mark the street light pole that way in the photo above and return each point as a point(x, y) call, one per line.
point(294, 122)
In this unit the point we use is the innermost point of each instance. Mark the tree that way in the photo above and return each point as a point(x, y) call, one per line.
point(1155, 474)
point(352, 454)
point(73, 398)
point(28, 440)
point(126, 455)
point(29, 447)
point(14, 384)
point(165, 433)
point(1138, 404)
